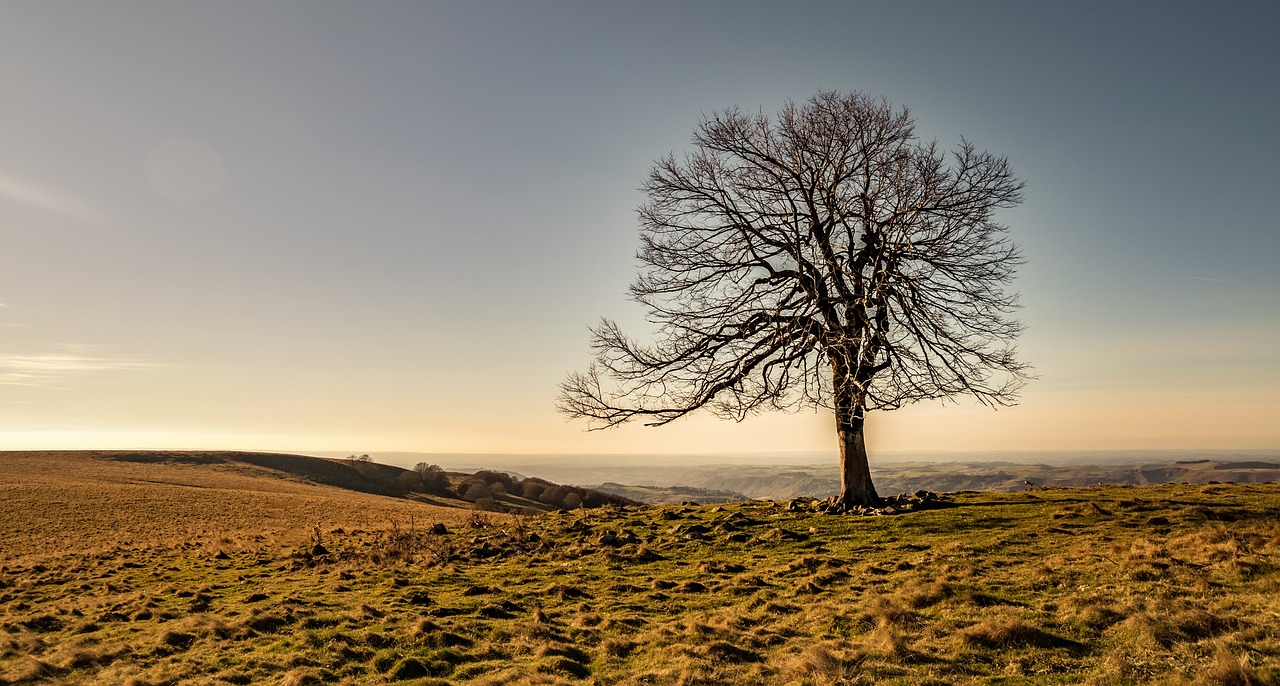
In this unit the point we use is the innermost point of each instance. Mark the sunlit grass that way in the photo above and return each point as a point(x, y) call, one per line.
point(1167, 584)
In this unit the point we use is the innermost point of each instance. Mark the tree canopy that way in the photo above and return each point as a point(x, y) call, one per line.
point(823, 258)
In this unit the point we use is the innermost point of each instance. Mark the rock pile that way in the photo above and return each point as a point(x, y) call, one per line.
point(898, 504)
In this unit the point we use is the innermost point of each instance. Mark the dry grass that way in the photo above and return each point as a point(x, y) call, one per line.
point(71, 501)
point(1062, 586)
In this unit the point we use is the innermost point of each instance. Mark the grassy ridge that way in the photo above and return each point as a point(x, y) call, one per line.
point(1102, 585)
point(58, 502)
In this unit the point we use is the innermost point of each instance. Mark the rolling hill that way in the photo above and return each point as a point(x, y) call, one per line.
point(92, 500)
point(88, 500)
point(119, 570)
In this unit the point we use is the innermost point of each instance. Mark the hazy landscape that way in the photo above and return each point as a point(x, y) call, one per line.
point(240, 568)
point(669, 478)
point(657, 343)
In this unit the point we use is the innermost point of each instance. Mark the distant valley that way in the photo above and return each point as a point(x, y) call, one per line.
point(725, 478)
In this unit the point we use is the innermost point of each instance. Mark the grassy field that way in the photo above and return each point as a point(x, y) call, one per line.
point(60, 502)
point(269, 580)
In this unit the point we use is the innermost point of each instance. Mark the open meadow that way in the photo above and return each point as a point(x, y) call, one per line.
point(174, 570)
point(57, 503)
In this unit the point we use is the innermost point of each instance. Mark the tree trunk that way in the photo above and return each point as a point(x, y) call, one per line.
point(855, 474)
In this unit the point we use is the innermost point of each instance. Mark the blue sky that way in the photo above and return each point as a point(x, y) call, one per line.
point(386, 226)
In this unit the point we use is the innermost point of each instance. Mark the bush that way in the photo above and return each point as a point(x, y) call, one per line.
point(489, 477)
point(553, 495)
point(475, 490)
point(410, 481)
point(434, 479)
point(532, 490)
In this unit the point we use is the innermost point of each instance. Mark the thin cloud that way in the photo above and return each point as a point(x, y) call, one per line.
point(41, 196)
point(43, 369)
point(1205, 278)
point(9, 325)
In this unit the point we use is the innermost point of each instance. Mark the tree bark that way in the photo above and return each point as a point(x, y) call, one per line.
point(856, 488)
point(855, 474)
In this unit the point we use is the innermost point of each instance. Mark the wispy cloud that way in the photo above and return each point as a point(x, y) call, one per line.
point(42, 196)
point(5, 323)
point(1205, 278)
point(42, 369)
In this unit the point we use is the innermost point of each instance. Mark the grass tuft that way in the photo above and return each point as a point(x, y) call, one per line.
point(825, 664)
point(1232, 669)
point(1006, 633)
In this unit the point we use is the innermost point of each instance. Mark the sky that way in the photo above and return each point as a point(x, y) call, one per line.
point(386, 226)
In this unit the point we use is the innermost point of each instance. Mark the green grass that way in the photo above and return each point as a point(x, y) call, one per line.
point(1165, 584)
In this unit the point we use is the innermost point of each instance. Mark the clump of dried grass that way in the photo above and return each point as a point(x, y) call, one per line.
point(365, 612)
point(919, 594)
point(37, 671)
point(886, 610)
point(1094, 613)
point(303, 677)
point(1231, 669)
point(887, 640)
point(617, 648)
point(1003, 633)
point(1115, 668)
point(826, 663)
point(1162, 625)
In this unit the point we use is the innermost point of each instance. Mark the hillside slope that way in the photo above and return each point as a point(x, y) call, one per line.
point(1117, 585)
point(88, 500)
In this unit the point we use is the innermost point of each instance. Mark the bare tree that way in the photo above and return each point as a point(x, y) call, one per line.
point(825, 258)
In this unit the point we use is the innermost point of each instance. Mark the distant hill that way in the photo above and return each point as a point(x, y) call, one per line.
point(656, 495)
point(786, 476)
point(108, 498)
point(1004, 476)
point(821, 481)
point(353, 474)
